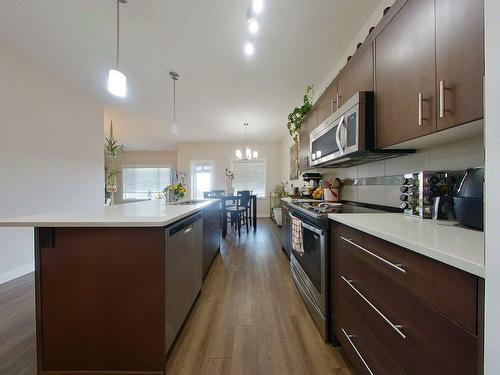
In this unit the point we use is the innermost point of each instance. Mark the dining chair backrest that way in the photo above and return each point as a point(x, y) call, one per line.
point(244, 196)
point(218, 193)
point(207, 194)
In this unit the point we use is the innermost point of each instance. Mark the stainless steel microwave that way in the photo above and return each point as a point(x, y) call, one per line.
point(347, 137)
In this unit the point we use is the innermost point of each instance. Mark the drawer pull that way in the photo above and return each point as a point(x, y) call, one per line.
point(395, 327)
point(396, 266)
point(349, 338)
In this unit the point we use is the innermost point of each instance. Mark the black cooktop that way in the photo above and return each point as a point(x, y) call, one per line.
point(320, 209)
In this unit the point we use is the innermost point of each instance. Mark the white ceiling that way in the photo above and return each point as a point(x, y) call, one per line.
point(219, 88)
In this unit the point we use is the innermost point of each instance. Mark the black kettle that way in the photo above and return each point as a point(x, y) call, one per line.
point(468, 199)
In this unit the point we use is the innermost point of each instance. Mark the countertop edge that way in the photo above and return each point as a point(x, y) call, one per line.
point(24, 221)
point(449, 259)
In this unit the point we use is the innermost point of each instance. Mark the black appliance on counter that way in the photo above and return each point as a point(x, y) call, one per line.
point(314, 177)
point(310, 269)
point(468, 199)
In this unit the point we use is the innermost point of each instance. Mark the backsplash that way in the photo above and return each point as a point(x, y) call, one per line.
point(458, 155)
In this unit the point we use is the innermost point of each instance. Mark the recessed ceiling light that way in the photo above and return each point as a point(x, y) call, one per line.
point(257, 6)
point(253, 25)
point(249, 49)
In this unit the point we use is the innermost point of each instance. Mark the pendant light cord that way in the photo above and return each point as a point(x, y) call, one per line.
point(174, 100)
point(117, 34)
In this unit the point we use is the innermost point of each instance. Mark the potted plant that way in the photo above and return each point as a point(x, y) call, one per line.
point(278, 192)
point(297, 115)
point(111, 149)
point(178, 190)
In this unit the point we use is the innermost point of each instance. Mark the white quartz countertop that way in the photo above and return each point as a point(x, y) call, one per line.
point(155, 213)
point(444, 241)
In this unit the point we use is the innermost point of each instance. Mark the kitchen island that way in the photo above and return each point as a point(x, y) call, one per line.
point(114, 284)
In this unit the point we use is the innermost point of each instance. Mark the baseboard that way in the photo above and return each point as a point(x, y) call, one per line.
point(15, 273)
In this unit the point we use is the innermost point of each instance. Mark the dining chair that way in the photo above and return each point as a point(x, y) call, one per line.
point(218, 193)
point(240, 211)
point(207, 194)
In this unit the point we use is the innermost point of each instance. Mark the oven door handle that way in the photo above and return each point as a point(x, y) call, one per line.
point(313, 229)
point(310, 227)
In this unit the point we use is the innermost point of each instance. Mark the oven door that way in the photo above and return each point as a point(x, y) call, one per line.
point(311, 264)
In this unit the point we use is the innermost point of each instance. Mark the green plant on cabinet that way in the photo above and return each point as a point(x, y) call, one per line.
point(297, 115)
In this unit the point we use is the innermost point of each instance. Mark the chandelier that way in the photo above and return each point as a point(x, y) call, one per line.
point(247, 153)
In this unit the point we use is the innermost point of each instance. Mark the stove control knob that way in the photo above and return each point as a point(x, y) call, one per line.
point(405, 205)
point(407, 181)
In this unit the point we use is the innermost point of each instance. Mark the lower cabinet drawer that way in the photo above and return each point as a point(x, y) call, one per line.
point(449, 290)
point(387, 324)
point(391, 322)
point(366, 352)
point(438, 345)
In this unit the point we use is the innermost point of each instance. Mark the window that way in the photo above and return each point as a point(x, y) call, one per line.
point(144, 182)
point(202, 177)
point(250, 175)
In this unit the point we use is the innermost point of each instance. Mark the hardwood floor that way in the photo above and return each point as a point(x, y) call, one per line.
point(249, 319)
point(17, 327)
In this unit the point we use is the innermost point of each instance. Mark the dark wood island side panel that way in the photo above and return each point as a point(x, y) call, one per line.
point(100, 296)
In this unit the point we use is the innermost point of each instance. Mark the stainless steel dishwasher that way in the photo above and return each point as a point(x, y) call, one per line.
point(183, 272)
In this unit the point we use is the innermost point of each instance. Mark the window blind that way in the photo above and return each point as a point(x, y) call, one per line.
point(250, 175)
point(144, 182)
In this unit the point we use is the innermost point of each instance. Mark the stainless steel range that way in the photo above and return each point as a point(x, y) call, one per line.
point(309, 267)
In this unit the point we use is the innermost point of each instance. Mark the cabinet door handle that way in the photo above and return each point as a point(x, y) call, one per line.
point(441, 99)
point(396, 266)
point(395, 327)
point(349, 338)
point(421, 101)
point(338, 100)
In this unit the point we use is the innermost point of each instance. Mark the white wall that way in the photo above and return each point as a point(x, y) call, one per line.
point(223, 153)
point(492, 141)
point(51, 152)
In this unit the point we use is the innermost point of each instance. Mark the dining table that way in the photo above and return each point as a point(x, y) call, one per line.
point(232, 199)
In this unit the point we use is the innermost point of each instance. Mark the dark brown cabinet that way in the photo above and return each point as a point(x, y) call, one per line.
point(100, 299)
point(286, 231)
point(356, 76)
point(309, 123)
point(327, 103)
point(398, 312)
point(211, 235)
point(459, 61)
point(405, 75)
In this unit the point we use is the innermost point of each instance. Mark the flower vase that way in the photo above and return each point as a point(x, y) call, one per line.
point(230, 190)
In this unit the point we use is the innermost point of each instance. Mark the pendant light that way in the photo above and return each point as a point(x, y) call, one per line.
point(117, 82)
point(247, 153)
point(175, 77)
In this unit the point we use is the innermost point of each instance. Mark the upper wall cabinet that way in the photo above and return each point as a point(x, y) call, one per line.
point(459, 61)
point(308, 124)
point(356, 76)
point(327, 103)
point(405, 75)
